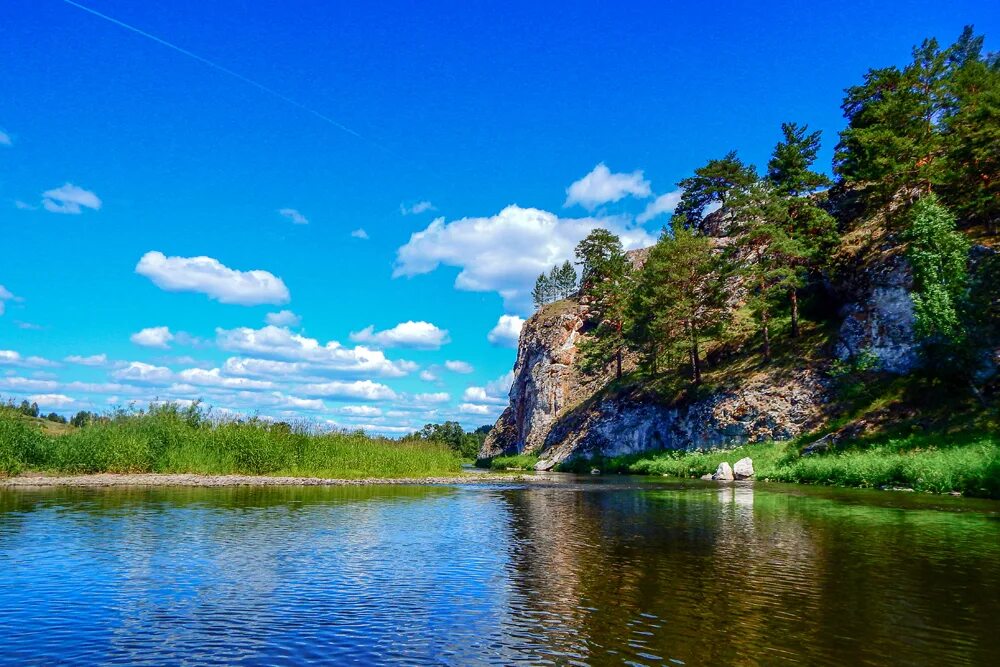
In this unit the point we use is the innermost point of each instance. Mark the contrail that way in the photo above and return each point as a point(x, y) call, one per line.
point(224, 70)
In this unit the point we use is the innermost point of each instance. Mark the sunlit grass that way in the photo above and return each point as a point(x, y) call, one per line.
point(169, 439)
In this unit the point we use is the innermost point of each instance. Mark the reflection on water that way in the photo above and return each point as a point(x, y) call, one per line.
point(591, 571)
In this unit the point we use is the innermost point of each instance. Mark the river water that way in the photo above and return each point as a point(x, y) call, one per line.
point(577, 571)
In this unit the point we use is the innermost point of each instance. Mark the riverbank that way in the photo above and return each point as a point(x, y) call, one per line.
point(36, 480)
point(966, 462)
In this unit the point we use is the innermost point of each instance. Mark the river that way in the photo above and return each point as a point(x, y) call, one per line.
point(580, 570)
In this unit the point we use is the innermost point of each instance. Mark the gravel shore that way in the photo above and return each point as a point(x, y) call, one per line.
point(155, 479)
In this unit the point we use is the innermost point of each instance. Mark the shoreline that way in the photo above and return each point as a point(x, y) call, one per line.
point(100, 480)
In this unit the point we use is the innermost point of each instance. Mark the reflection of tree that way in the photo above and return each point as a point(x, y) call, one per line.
point(722, 575)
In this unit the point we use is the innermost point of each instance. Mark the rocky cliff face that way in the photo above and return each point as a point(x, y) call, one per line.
point(558, 413)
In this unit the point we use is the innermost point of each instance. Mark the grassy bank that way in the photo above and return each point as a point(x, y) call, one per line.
point(169, 439)
point(967, 462)
point(516, 462)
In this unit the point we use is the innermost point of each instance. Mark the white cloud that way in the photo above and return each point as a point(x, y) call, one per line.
point(24, 206)
point(293, 215)
point(506, 331)
point(153, 337)
point(278, 343)
point(419, 207)
point(473, 409)
point(69, 198)
point(92, 360)
point(495, 392)
point(283, 318)
point(360, 233)
point(209, 276)
point(506, 252)
point(409, 334)
point(437, 397)
point(27, 326)
point(362, 390)
point(359, 411)
point(144, 373)
point(662, 204)
point(5, 295)
point(5, 139)
point(601, 186)
point(428, 376)
point(456, 366)
point(13, 358)
point(214, 378)
point(52, 400)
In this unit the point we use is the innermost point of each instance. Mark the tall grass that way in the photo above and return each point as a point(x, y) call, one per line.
point(967, 463)
point(170, 439)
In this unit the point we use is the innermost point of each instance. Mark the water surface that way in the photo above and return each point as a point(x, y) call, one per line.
point(586, 571)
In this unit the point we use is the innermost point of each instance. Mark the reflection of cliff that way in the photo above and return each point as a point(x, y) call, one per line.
point(734, 575)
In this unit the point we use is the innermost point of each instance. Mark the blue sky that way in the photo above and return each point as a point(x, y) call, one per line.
point(156, 209)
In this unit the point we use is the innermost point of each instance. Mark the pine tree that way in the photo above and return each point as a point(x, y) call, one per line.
point(771, 260)
point(680, 296)
point(542, 291)
point(566, 280)
point(789, 169)
point(712, 183)
point(606, 271)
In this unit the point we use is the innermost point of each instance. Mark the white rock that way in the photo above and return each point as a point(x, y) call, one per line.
point(724, 473)
point(743, 468)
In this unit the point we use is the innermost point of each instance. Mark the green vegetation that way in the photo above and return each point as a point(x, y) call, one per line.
point(967, 463)
point(560, 283)
point(517, 462)
point(464, 443)
point(170, 439)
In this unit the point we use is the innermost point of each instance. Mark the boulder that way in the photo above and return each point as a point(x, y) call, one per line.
point(704, 477)
point(743, 469)
point(724, 473)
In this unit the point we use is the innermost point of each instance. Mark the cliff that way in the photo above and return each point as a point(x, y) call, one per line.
point(559, 413)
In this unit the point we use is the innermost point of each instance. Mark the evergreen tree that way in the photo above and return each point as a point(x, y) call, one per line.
point(712, 183)
point(680, 296)
point(789, 169)
point(543, 290)
point(606, 271)
point(938, 256)
point(770, 258)
point(566, 280)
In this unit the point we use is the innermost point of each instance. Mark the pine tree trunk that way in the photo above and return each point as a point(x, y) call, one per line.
point(767, 334)
point(695, 362)
point(618, 360)
point(793, 295)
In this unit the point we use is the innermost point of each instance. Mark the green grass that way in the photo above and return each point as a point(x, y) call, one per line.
point(169, 439)
point(518, 462)
point(965, 462)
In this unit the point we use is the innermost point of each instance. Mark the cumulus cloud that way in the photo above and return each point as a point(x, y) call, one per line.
point(432, 398)
point(419, 207)
point(209, 276)
point(506, 252)
point(474, 409)
point(52, 400)
point(92, 360)
point(456, 366)
point(360, 233)
point(143, 373)
point(601, 186)
point(281, 344)
point(70, 198)
point(293, 215)
point(428, 376)
point(14, 358)
point(283, 318)
point(506, 332)
point(495, 392)
point(662, 204)
point(414, 335)
point(153, 337)
point(361, 390)
point(214, 378)
point(359, 411)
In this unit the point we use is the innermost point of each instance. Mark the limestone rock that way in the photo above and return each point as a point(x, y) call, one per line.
point(724, 473)
point(743, 469)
